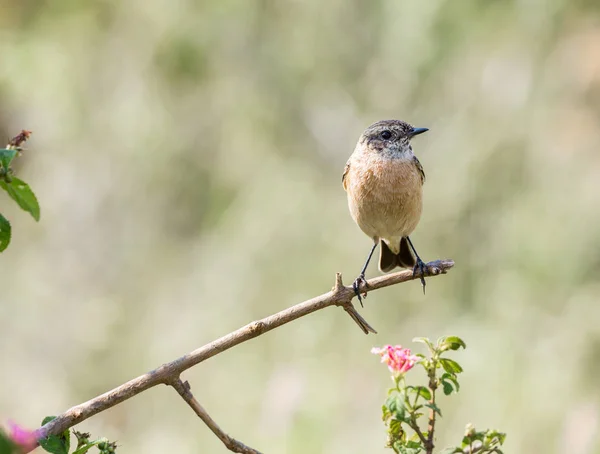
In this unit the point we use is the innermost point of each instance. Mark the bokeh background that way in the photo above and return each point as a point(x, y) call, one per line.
point(188, 156)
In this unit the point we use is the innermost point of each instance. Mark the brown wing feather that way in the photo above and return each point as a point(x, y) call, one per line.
point(346, 169)
point(419, 168)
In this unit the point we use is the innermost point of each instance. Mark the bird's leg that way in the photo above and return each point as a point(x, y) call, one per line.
point(361, 277)
point(420, 265)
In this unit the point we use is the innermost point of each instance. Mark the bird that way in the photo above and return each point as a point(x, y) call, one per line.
point(384, 182)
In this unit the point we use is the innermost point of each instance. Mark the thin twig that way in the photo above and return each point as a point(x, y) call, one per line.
point(414, 426)
point(167, 373)
point(183, 388)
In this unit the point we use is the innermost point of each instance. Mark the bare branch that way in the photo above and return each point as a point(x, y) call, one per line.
point(168, 373)
point(183, 388)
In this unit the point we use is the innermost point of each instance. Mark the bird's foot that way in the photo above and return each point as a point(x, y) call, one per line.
point(423, 270)
point(360, 280)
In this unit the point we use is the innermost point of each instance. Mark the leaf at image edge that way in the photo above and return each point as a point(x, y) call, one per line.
point(5, 232)
point(6, 446)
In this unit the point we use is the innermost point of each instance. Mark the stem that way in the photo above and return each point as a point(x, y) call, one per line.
point(413, 421)
point(414, 426)
point(89, 445)
point(416, 399)
point(432, 386)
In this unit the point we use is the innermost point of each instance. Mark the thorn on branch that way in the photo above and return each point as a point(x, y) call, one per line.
point(339, 284)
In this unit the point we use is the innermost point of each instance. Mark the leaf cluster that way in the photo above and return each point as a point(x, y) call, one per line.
point(406, 405)
point(17, 189)
point(483, 442)
point(61, 444)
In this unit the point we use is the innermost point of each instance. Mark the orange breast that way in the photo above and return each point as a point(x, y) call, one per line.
point(384, 196)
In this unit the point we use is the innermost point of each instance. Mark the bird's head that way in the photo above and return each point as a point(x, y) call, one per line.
point(390, 138)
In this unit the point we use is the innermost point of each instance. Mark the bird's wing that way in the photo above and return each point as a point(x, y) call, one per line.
point(346, 169)
point(419, 168)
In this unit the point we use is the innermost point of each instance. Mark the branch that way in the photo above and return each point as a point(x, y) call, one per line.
point(168, 374)
point(183, 388)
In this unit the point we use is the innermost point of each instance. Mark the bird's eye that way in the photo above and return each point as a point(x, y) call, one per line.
point(386, 135)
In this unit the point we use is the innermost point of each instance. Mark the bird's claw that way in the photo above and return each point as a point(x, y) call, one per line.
point(360, 280)
point(423, 270)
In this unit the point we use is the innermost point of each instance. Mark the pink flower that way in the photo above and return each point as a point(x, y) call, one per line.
point(398, 359)
point(23, 438)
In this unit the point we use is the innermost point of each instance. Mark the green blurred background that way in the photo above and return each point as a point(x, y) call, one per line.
point(188, 156)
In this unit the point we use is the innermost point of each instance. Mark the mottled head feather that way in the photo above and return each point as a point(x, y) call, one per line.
point(390, 138)
point(398, 128)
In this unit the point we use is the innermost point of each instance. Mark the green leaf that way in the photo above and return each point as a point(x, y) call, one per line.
point(413, 445)
point(493, 437)
point(397, 446)
point(6, 156)
point(448, 388)
point(21, 193)
point(415, 437)
point(402, 449)
point(425, 341)
point(396, 427)
point(451, 366)
point(452, 451)
point(477, 436)
point(6, 446)
point(423, 392)
point(56, 444)
point(452, 378)
point(4, 233)
point(47, 419)
point(435, 408)
point(396, 406)
point(392, 402)
point(452, 343)
point(385, 412)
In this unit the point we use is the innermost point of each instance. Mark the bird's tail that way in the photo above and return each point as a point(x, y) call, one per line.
point(388, 260)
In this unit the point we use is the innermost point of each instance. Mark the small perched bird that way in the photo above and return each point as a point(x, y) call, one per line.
point(384, 181)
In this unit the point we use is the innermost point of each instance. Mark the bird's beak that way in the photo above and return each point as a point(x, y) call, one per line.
point(417, 131)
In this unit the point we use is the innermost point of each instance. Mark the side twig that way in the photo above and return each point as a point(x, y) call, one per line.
point(183, 388)
point(414, 426)
point(169, 373)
